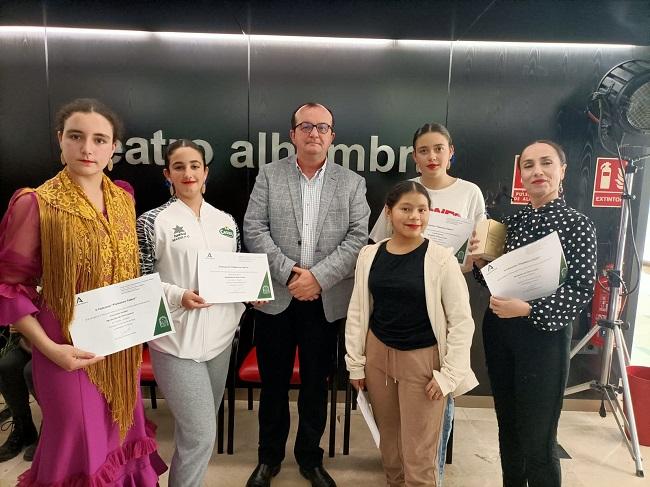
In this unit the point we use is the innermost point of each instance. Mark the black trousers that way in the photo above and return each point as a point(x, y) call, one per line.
point(16, 382)
point(528, 371)
point(302, 324)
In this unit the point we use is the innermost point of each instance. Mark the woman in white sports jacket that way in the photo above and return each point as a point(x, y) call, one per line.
point(191, 365)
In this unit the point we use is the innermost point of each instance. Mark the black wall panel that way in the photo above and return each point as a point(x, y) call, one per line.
point(25, 151)
point(164, 86)
point(599, 21)
point(237, 93)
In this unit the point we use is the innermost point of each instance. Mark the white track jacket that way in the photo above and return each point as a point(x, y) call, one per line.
point(170, 237)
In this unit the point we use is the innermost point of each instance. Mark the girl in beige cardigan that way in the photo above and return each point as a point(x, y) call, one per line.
point(408, 337)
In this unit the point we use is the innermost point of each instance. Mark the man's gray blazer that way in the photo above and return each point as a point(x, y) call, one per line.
point(273, 226)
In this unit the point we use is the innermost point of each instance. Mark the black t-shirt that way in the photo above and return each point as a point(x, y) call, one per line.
point(399, 317)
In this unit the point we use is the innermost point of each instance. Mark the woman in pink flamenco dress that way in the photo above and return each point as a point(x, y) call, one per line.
point(73, 233)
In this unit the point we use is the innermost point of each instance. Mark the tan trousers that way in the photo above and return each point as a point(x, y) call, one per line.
point(409, 422)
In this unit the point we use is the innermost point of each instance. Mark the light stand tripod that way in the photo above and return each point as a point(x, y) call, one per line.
point(614, 338)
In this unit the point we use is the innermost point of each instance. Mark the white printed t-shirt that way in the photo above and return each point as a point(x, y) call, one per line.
point(462, 199)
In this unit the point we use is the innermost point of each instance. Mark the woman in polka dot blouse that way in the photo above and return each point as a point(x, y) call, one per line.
point(527, 344)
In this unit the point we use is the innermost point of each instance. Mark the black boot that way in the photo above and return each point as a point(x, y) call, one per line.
point(28, 456)
point(23, 433)
point(5, 414)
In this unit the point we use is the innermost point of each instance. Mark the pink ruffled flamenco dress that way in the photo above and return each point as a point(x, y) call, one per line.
point(79, 444)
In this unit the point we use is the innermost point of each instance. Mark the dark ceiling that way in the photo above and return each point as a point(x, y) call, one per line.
point(586, 21)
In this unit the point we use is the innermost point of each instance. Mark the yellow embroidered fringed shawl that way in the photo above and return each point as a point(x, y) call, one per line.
point(82, 250)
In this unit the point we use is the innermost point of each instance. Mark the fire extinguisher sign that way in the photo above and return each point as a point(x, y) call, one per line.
point(609, 181)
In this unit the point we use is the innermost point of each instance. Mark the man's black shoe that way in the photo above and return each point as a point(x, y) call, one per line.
point(261, 476)
point(318, 476)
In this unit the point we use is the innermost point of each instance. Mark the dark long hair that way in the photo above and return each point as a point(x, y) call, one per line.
point(556, 147)
point(177, 144)
point(402, 188)
point(89, 105)
point(432, 127)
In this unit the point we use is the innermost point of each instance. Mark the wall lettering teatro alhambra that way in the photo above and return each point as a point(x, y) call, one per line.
point(371, 157)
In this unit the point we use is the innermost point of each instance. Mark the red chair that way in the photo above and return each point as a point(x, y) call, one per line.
point(249, 372)
point(147, 378)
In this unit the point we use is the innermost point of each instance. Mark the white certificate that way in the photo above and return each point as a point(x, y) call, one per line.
point(229, 277)
point(530, 272)
point(112, 318)
point(450, 231)
point(366, 412)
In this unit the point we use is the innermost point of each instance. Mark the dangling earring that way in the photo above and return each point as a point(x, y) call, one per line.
point(171, 188)
point(63, 160)
point(560, 190)
point(109, 166)
point(451, 161)
point(203, 189)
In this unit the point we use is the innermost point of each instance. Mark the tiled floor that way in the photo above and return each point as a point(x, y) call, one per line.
point(599, 456)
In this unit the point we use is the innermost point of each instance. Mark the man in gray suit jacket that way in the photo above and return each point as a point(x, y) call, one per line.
point(310, 216)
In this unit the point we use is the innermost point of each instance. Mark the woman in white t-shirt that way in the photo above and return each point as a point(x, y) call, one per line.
point(432, 153)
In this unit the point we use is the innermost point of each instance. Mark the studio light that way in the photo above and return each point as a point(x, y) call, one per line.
point(623, 95)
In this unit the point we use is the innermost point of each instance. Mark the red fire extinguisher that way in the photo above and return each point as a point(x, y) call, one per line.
point(600, 305)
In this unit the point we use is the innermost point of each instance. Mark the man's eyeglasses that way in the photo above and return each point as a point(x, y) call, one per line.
point(306, 127)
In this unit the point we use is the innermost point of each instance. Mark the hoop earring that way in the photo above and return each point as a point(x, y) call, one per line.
point(203, 189)
point(62, 160)
point(109, 166)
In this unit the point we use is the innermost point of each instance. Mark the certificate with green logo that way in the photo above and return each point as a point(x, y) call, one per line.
point(450, 231)
point(228, 277)
point(119, 316)
point(530, 272)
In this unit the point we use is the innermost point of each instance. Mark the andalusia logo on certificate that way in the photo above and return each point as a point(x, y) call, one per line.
point(460, 255)
point(162, 322)
point(265, 290)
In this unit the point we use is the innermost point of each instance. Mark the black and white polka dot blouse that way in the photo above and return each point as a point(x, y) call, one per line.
point(578, 237)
